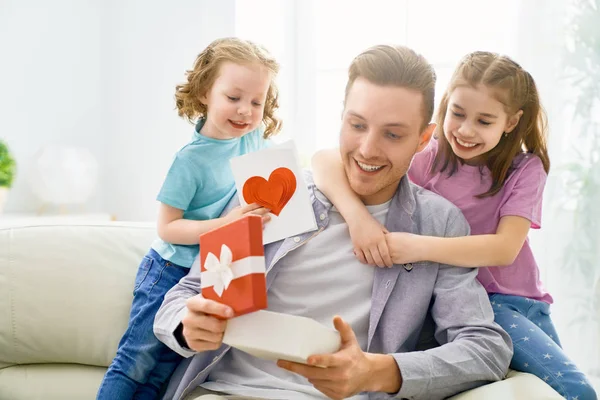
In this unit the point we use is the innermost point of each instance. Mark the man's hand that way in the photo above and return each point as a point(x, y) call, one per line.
point(370, 246)
point(201, 330)
point(248, 209)
point(405, 247)
point(338, 375)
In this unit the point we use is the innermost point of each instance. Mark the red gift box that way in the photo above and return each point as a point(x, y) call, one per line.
point(232, 265)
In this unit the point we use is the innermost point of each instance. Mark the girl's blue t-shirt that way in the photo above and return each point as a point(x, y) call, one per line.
point(200, 182)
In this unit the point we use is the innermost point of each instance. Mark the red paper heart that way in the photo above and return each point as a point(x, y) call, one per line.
point(272, 194)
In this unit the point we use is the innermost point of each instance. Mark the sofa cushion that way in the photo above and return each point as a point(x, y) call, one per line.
point(66, 290)
point(50, 382)
point(516, 386)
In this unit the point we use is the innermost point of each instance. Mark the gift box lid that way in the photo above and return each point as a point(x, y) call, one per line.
point(243, 237)
point(276, 336)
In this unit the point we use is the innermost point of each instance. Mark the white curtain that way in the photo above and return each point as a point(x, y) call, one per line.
point(553, 39)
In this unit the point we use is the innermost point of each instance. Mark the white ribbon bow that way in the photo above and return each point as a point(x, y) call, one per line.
point(220, 269)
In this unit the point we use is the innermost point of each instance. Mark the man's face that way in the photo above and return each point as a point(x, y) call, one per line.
point(381, 132)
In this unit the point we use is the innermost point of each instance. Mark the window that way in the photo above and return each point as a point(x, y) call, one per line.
point(316, 40)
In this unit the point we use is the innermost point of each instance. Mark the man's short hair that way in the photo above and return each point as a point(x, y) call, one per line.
point(399, 66)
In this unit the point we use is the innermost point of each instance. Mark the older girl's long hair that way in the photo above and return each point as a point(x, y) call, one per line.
point(516, 90)
point(206, 70)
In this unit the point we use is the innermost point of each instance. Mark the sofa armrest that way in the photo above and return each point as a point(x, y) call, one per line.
point(516, 386)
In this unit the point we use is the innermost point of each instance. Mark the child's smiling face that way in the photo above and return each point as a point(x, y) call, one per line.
point(236, 100)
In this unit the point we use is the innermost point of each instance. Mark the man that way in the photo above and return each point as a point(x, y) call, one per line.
point(387, 108)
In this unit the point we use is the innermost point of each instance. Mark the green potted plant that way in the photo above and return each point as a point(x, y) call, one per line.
point(7, 172)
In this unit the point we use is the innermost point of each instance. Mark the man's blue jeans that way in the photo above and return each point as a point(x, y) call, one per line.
point(537, 347)
point(143, 363)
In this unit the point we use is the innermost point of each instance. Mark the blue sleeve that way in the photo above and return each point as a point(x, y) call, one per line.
point(180, 185)
point(256, 141)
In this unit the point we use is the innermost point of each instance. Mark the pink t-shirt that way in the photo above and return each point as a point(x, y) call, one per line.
point(521, 195)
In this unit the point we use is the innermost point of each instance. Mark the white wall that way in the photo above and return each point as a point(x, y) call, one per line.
point(101, 74)
point(153, 44)
point(50, 83)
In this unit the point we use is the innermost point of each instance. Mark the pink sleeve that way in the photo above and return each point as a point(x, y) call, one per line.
point(421, 163)
point(525, 193)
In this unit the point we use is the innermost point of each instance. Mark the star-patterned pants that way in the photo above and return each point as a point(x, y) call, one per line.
point(537, 347)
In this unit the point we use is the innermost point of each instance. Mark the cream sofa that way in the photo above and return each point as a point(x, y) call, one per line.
point(65, 293)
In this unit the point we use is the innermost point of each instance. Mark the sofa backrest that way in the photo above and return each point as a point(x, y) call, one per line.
point(66, 290)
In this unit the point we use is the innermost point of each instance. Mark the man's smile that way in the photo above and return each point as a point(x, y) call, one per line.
point(368, 167)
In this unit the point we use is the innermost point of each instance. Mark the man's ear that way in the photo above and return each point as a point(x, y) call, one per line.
point(512, 122)
point(425, 136)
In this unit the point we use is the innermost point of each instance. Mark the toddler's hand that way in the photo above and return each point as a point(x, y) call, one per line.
point(370, 246)
point(253, 208)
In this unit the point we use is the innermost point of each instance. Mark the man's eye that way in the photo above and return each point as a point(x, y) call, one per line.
point(233, 98)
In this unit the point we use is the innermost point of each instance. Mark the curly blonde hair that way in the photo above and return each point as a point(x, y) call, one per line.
point(206, 70)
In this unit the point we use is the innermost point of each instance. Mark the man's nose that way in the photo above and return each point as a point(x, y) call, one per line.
point(369, 147)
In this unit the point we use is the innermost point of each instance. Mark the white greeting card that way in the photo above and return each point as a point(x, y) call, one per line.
point(273, 178)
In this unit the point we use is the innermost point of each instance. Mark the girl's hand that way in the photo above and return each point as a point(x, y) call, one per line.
point(404, 247)
point(370, 247)
point(249, 209)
